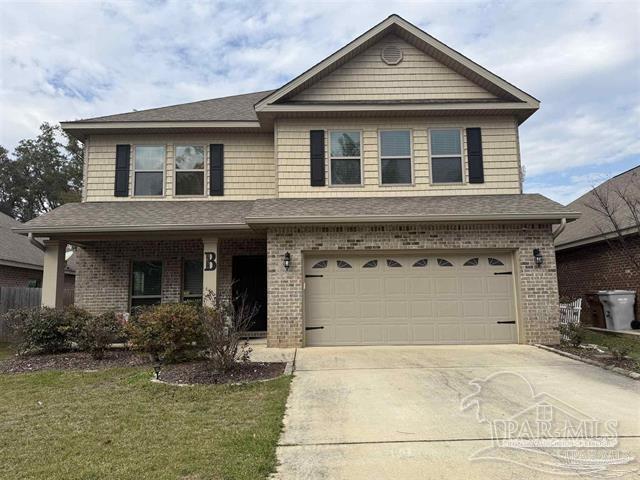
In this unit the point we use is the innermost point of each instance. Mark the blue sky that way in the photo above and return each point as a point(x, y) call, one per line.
point(63, 60)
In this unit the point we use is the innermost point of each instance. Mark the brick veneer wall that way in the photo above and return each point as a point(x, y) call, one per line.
point(598, 267)
point(538, 297)
point(103, 275)
point(18, 277)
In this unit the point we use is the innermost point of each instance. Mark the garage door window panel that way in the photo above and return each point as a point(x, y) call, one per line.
point(444, 262)
point(370, 264)
point(446, 155)
point(472, 262)
point(423, 262)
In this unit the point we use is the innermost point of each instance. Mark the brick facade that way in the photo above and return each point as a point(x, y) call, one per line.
point(538, 296)
point(598, 266)
point(20, 277)
point(104, 268)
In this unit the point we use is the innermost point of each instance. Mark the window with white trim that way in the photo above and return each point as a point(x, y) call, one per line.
point(189, 170)
point(146, 283)
point(148, 176)
point(446, 155)
point(395, 157)
point(345, 158)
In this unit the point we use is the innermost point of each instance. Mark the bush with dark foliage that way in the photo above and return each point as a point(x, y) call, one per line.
point(168, 331)
point(99, 332)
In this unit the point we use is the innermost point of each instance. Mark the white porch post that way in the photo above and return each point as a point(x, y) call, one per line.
point(53, 274)
point(210, 266)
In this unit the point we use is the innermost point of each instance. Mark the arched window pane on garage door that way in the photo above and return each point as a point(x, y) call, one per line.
point(343, 264)
point(392, 263)
point(423, 262)
point(370, 264)
point(494, 262)
point(321, 264)
point(472, 262)
point(444, 262)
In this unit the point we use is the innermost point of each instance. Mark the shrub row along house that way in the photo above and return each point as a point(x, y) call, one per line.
point(374, 199)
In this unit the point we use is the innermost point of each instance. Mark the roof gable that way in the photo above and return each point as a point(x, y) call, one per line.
point(17, 249)
point(417, 76)
point(414, 36)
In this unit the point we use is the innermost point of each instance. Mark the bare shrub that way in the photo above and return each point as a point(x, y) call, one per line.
point(224, 324)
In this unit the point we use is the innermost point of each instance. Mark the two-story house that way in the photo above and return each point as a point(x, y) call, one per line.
point(374, 199)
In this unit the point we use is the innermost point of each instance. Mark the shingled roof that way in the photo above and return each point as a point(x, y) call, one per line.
point(229, 109)
point(140, 216)
point(15, 249)
point(594, 226)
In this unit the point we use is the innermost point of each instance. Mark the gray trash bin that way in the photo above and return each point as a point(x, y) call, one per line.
point(618, 308)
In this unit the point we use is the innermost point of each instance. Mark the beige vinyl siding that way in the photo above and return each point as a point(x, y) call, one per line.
point(500, 151)
point(417, 77)
point(249, 166)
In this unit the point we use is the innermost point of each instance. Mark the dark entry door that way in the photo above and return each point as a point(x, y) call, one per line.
point(250, 277)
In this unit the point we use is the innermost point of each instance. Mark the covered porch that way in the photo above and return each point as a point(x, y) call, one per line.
point(132, 254)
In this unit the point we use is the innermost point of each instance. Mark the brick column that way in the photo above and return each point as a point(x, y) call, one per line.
point(53, 274)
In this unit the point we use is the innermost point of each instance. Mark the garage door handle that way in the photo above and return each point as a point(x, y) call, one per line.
point(511, 322)
point(313, 276)
point(314, 328)
point(502, 273)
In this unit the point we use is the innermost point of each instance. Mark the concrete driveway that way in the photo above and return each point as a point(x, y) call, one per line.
point(396, 413)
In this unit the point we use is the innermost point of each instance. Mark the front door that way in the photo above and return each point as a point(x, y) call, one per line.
point(250, 278)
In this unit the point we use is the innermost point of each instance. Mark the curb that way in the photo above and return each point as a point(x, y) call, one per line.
point(621, 371)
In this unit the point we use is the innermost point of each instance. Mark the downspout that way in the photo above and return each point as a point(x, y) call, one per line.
point(34, 242)
point(560, 229)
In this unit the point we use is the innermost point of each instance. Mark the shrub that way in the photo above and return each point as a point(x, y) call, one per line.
point(168, 331)
point(571, 334)
point(224, 326)
point(46, 330)
point(619, 348)
point(99, 332)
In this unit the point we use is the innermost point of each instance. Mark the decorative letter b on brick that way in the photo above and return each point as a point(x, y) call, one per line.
point(210, 261)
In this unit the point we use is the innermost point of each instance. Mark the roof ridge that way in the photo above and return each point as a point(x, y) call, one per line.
point(266, 92)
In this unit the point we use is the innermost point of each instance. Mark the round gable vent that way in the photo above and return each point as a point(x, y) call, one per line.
point(391, 55)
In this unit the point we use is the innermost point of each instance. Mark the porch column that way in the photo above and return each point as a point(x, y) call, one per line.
point(53, 274)
point(210, 266)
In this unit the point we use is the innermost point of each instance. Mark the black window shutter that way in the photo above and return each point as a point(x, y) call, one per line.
point(316, 138)
point(216, 170)
point(474, 153)
point(123, 160)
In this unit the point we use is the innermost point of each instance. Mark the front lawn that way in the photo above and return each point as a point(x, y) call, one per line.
point(116, 424)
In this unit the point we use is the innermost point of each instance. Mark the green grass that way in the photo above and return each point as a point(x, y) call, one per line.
point(607, 339)
point(117, 424)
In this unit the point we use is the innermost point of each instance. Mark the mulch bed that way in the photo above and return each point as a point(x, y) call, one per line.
point(592, 354)
point(72, 361)
point(203, 373)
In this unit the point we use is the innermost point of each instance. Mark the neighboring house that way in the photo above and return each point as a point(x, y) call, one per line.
point(374, 199)
point(21, 259)
point(601, 250)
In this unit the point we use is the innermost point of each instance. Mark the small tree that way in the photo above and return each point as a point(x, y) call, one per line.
point(617, 204)
point(225, 324)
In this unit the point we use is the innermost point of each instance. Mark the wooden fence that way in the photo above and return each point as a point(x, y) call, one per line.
point(23, 297)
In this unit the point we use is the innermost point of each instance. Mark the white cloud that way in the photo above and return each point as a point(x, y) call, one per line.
point(66, 60)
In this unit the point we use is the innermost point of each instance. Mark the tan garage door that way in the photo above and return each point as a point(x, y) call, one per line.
point(394, 299)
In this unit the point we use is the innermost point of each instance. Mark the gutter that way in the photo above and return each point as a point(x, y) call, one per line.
point(560, 229)
point(29, 231)
point(409, 218)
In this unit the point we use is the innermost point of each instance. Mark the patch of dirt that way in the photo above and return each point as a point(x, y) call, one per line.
point(203, 373)
point(606, 358)
point(72, 361)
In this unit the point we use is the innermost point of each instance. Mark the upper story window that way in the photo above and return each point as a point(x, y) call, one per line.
point(395, 156)
point(149, 170)
point(446, 155)
point(345, 158)
point(189, 170)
